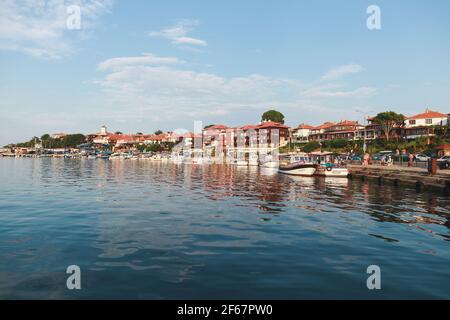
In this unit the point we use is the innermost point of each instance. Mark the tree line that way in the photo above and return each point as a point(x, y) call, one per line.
point(68, 141)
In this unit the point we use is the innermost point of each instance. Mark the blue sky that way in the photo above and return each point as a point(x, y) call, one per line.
point(148, 65)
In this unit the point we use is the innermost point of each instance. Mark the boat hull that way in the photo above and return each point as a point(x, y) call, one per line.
point(332, 172)
point(305, 170)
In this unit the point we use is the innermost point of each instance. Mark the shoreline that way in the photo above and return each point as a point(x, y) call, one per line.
point(397, 175)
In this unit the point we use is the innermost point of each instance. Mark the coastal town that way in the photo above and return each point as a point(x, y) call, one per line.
point(425, 134)
point(392, 147)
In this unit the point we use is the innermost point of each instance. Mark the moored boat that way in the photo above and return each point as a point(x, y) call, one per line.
point(299, 165)
point(328, 165)
point(331, 171)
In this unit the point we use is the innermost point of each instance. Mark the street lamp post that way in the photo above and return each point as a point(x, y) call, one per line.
point(364, 113)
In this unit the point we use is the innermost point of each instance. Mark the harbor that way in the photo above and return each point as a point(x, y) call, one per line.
point(418, 178)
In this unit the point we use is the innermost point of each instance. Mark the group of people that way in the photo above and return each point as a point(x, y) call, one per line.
point(387, 160)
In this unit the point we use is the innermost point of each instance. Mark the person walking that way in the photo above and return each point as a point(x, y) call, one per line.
point(366, 159)
point(410, 160)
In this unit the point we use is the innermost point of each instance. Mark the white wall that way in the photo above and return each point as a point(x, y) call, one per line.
point(422, 122)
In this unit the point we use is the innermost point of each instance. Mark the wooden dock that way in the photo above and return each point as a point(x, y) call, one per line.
point(398, 175)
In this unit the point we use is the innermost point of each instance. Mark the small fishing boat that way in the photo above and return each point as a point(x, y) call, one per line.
point(331, 171)
point(328, 165)
point(299, 165)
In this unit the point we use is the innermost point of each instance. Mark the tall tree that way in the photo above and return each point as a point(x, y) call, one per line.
point(273, 115)
point(389, 120)
point(158, 132)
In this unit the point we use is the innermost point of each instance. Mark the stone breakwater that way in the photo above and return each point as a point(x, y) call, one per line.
point(397, 175)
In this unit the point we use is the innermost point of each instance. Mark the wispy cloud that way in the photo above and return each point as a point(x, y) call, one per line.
point(145, 59)
point(164, 90)
point(342, 71)
point(39, 28)
point(167, 91)
point(178, 34)
point(331, 91)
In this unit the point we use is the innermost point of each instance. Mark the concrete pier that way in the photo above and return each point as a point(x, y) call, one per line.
point(397, 175)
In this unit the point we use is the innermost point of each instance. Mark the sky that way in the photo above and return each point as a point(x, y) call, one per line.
point(140, 65)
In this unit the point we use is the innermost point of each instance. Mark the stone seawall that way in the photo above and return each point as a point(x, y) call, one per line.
point(415, 177)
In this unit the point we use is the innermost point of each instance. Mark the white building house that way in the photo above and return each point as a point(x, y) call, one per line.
point(426, 119)
point(302, 132)
point(421, 125)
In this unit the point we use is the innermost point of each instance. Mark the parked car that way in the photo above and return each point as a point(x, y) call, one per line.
point(420, 157)
point(444, 162)
point(377, 157)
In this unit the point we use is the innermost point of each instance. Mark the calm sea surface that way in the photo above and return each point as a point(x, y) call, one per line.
point(141, 229)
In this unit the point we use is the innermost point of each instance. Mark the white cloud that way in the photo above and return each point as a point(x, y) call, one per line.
point(39, 28)
point(145, 59)
point(178, 34)
point(342, 71)
point(330, 91)
point(167, 91)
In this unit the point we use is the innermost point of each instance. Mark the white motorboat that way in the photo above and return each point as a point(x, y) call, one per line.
point(328, 165)
point(299, 165)
point(331, 171)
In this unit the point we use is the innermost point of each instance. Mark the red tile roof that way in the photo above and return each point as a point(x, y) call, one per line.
point(428, 114)
point(304, 126)
point(248, 127)
point(271, 124)
point(347, 123)
point(326, 125)
point(217, 127)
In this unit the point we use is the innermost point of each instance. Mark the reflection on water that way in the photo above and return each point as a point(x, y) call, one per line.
point(141, 229)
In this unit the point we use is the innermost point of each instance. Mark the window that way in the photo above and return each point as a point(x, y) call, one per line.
point(412, 121)
point(429, 121)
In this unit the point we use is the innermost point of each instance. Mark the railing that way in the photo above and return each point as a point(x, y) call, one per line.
point(399, 163)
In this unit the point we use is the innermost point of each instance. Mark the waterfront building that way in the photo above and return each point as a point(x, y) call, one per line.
point(125, 142)
point(345, 129)
point(421, 125)
point(301, 133)
point(318, 132)
point(214, 140)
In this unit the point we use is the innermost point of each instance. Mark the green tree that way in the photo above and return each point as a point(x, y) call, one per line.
point(45, 137)
point(158, 132)
point(118, 132)
point(311, 146)
point(273, 115)
point(72, 140)
point(389, 120)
